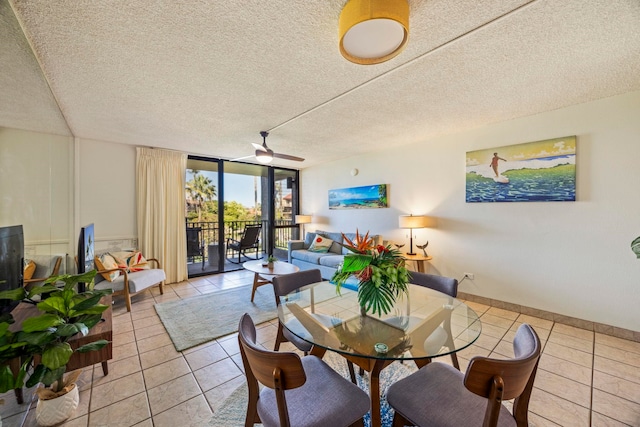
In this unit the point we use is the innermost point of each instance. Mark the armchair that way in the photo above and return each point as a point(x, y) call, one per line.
point(250, 240)
point(195, 246)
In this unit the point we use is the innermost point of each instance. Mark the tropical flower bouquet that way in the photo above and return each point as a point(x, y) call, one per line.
point(380, 271)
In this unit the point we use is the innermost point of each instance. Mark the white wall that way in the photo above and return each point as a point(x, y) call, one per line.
point(571, 258)
point(36, 189)
point(107, 192)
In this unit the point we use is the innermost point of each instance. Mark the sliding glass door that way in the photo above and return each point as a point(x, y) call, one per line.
point(226, 201)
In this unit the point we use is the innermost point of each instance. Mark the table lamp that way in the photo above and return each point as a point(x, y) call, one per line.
point(302, 220)
point(411, 222)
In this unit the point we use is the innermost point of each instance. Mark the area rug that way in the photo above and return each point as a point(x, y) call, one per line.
point(196, 320)
point(233, 411)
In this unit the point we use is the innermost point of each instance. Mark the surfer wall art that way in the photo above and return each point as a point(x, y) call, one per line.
point(369, 196)
point(541, 171)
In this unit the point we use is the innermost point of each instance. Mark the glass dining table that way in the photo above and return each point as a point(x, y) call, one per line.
point(423, 325)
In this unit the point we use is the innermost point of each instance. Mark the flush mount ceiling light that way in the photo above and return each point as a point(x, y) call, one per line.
point(373, 31)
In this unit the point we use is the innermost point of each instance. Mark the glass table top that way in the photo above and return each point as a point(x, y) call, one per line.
point(423, 324)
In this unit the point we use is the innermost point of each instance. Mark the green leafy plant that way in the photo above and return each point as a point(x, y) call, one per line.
point(380, 270)
point(635, 246)
point(65, 313)
point(271, 258)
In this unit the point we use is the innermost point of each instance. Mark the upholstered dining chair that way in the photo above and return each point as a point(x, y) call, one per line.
point(439, 395)
point(297, 391)
point(446, 285)
point(283, 285)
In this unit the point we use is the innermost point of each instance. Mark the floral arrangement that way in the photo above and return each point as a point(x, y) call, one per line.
point(380, 270)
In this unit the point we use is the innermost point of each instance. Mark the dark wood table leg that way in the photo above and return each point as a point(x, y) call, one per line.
point(374, 392)
point(105, 368)
point(374, 368)
point(257, 282)
point(317, 351)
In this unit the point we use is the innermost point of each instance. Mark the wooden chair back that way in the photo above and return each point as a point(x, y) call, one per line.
point(446, 285)
point(277, 370)
point(499, 380)
point(283, 285)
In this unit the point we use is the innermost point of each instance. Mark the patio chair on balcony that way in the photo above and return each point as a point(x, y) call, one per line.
point(250, 240)
point(195, 246)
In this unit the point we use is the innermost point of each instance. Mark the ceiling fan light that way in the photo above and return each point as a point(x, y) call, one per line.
point(373, 31)
point(264, 156)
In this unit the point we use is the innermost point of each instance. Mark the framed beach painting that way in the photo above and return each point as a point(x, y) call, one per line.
point(541, 171)
point(370, 196)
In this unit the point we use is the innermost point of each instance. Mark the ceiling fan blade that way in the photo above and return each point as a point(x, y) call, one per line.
point(259, 147)
point(288, 157)
point(241, 158)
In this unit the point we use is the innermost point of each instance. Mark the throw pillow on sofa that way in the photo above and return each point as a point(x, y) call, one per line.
point(29, 269)
point(308, 240)
point(320, 244)
point(133, 261)
point(107, 262)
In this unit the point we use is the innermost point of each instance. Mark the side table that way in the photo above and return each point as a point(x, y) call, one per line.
point(418, 259)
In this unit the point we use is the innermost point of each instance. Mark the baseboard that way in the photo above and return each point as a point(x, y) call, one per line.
point(614, 331)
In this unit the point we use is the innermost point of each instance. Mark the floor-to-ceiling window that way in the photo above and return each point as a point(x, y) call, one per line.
point(224, 199)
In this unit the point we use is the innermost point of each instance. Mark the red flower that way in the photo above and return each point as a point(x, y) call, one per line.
point(382, 249)
point(365, 274)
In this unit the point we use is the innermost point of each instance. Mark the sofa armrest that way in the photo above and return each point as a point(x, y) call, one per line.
point(293, 245)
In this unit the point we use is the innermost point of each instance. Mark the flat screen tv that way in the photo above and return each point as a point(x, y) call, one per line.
point(11, 263)
point(86, 252)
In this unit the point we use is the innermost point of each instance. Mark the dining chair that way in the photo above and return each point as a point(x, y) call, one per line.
point(300, 392)
point(283, 285)
point(446, 285)
point(440, 395)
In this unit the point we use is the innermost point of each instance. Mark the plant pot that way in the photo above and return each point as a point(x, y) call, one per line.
point(54, 411)
point(270, 265)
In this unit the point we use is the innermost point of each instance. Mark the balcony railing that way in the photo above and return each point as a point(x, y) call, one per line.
point(284, 231)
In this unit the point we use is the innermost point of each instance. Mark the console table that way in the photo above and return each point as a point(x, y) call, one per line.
point(102, 331)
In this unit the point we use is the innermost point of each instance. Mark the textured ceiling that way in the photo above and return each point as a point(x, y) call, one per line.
point(205, 77)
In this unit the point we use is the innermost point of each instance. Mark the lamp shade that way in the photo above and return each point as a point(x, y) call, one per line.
point(373, 31)
point(264, 156)
point(414, 221)
point(303, 219)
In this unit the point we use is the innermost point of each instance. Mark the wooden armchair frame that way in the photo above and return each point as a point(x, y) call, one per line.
point(125, 289)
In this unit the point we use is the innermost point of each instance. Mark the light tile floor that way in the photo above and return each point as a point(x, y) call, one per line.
point(584, 378)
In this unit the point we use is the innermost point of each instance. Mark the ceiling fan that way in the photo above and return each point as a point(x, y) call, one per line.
point(265, 154)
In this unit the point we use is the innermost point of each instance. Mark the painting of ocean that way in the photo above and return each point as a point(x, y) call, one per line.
point(541, 171)
point(370, 196)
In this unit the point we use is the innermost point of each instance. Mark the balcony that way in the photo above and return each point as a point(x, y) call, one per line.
point(285, 230)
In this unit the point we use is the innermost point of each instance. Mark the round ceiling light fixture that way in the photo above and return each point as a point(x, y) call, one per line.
point(373, 31)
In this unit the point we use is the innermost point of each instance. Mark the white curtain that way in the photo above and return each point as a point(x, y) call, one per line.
point(160, 184)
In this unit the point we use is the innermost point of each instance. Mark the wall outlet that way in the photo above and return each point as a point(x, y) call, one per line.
point(469, 276)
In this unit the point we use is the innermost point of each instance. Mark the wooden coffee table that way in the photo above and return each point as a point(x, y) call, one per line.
point(280, 268)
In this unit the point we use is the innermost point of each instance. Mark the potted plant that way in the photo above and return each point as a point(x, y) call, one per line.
point(45, 339)
point(270, 260)
point(380, 270)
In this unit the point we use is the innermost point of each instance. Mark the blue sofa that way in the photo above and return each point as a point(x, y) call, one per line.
point(300, 255)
